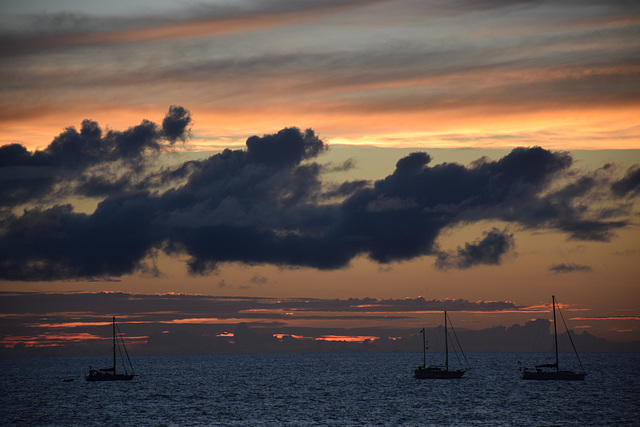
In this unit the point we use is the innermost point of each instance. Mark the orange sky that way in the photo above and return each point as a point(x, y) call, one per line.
point(358, 72)
point(390, 77)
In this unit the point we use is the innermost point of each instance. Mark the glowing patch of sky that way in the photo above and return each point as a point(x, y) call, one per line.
point(354, 72)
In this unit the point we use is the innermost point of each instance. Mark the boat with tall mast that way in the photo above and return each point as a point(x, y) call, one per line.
point(111, 374)
point(439, 372)
point(551, 371)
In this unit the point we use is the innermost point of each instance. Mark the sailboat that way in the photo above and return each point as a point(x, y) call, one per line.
point(438, 372)
point(111, 374)
point(551, 371)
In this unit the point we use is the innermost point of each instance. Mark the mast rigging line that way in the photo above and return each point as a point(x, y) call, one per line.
point(570, 339)
point(125, 351)
point(459, 346)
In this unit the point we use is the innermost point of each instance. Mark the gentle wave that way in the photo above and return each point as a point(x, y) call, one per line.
point(317, 389)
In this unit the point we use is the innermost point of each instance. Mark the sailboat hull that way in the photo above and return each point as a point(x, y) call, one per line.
point(101, 376)
point(111, 374)
point(553, 376)
point(437, 374)
point(425, 372)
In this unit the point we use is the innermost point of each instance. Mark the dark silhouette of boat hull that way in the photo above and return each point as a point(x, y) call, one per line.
point(431, 373)
point(105, 376)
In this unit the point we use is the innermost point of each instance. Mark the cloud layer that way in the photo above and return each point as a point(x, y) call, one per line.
point(268, 204)
point(38, 324)
point(455, 73)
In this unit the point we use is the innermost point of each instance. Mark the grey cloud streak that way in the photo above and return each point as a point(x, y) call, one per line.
point(268, 204)
point(171, 306)
point(393, 60)
point(68, 29)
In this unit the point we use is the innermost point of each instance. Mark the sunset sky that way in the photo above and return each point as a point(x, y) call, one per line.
point(385, 160)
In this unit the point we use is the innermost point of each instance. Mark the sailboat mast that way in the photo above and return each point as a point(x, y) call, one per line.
point(114, 345)
point(424, 349)
point(555, 330)
point(446, 343)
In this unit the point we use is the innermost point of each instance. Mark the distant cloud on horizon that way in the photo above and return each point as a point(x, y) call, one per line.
point(194, 324)
point(175, 304)
point(47, 318)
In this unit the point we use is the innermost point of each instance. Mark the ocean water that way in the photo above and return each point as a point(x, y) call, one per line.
point(335, 389)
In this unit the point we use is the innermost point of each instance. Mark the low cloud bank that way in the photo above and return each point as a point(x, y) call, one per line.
point(186, 324)
point(533, 336)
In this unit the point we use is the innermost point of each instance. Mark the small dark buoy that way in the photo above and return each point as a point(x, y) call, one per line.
point(67, 380)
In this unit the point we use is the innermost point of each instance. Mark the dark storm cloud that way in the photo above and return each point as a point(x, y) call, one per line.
point(630, 184)
point(45, 244)
point(88, 162)
point(258, 205)
point(488, 251)
point(175, 123)
point(403, 214)
point(569, 268)
point(268, 204)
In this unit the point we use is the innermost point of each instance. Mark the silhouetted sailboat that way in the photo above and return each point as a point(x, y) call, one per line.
point(439, 372)
point(551, 371)
point(111, 374)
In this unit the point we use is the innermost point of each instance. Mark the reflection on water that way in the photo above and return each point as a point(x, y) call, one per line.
point(313, 389)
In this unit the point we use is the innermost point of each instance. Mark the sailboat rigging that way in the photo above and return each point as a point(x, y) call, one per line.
point(551, 371)
point(111, 374)
point(439, 372)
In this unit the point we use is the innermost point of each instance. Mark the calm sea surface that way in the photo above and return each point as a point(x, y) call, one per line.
point(317, 389)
